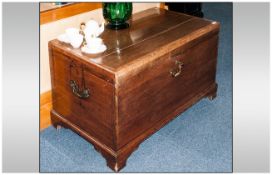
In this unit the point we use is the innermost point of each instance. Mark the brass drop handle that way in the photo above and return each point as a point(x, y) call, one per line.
point(177, 71)
point(75, 89)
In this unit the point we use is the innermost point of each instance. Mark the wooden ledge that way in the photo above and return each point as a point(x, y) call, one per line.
point(67, 11)
point(71, 10)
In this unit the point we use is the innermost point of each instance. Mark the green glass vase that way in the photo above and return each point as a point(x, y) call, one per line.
point(116, 14)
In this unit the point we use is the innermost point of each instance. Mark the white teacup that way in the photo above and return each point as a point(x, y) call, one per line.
point(94, 43)
point(72, 33)
point(76, 41)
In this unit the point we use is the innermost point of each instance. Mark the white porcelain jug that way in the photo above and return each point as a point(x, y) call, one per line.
point(93, 29)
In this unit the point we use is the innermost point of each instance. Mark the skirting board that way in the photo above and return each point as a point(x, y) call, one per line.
point(45, 107)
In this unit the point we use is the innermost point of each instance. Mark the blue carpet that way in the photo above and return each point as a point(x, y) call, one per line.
point(200, 140)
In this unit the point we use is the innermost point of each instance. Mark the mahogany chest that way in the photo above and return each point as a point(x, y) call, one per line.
point(151, 72)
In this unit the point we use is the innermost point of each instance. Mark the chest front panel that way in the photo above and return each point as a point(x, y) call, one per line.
point(148, 96)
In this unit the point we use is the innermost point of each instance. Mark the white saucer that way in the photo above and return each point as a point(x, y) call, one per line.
point(88, 50)
point(63, 38)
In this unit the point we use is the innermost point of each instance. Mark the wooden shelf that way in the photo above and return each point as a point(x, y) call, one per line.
point(50, 12)
point(65, 11)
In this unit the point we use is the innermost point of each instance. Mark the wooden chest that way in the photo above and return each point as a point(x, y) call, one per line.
point(150, 73)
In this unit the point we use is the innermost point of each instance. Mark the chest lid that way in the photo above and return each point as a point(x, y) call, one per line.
point(152, 33)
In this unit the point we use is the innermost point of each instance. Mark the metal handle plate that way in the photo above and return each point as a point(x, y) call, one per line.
point(177, 71)
point(84, 93)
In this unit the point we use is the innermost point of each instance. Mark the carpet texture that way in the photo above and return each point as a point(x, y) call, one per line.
point(199, 140)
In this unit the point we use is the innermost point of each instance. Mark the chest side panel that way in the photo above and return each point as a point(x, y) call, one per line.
point(95, 114)
point(147, 97)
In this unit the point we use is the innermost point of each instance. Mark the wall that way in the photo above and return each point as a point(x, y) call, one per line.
point(51, 30)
